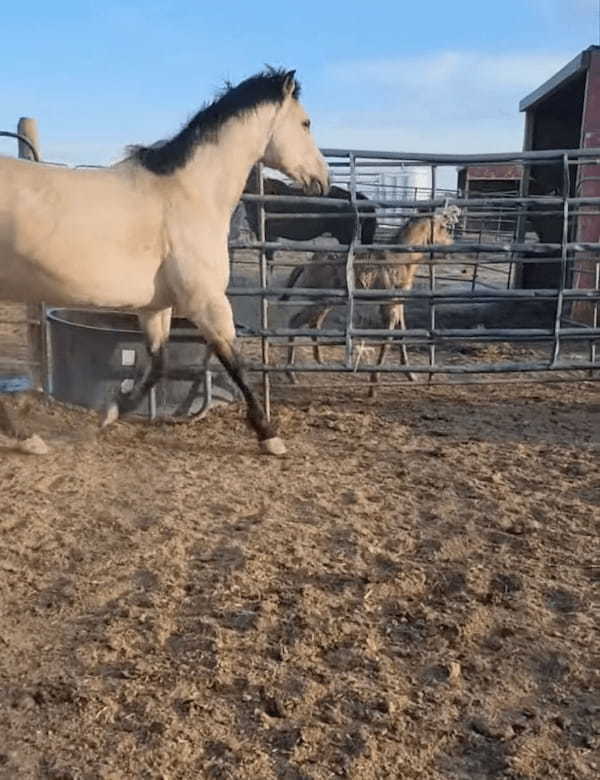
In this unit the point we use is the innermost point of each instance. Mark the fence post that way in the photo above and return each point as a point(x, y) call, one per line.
point(28, 128)
point(36, 313)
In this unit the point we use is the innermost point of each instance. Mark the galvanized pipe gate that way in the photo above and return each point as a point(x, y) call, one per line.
point(563, 345)
point(562, 337)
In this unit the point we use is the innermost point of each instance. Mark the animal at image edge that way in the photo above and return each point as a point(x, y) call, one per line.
point(149, 234)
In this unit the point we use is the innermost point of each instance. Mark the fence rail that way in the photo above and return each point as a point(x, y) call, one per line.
point(470, 292)
point(556, 242)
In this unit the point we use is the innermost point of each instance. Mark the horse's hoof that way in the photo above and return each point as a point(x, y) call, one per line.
point(111, 415)
point(274, 446)
point(34, 445)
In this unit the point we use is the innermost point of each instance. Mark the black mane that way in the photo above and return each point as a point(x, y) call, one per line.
point(167, 157)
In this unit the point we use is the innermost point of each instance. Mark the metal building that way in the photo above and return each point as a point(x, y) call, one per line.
point(564, 113)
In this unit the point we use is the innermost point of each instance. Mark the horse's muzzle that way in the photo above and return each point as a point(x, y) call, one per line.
point(317, 186)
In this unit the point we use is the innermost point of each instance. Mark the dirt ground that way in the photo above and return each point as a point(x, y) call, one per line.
point(411, 593)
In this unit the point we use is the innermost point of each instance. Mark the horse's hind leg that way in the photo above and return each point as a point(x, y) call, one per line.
point(156, 326)
point(32, 445)
point(8, 424)
point(215, 323)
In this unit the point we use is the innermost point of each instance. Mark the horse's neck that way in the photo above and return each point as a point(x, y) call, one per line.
point(220, 170)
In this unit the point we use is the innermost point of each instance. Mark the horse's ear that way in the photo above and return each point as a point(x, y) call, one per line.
point(289, 83)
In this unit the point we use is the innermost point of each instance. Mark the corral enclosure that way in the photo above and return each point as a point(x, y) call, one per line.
point(466, 306)
point(412, 593)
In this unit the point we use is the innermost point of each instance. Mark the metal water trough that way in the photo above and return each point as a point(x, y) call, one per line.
point(94, 354)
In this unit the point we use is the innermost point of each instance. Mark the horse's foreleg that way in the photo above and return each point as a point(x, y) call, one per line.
point(215, 323)
point(156, 326)
point(257, 419)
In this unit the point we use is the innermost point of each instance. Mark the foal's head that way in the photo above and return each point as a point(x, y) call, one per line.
point(292, 148)
point(444, 222)
point(436, 229)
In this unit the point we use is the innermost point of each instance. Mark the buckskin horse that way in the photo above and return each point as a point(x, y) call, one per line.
point(149, 234)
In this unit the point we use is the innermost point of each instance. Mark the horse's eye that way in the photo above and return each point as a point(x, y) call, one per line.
point(306, 124)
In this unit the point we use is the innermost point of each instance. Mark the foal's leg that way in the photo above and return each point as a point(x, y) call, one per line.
point(403, 352)
point(313, 316)
point(291, 359)
point(317, 324)
point(392, 317)
point(215, 323)
point(156, 326)
point(395, 316)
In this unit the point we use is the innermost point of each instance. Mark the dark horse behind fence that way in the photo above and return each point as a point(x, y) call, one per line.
point(340, 227)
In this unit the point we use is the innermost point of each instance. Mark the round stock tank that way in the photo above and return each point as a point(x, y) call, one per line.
point(95, 354)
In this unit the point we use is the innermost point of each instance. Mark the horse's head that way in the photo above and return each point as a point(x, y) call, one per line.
point(292, 148)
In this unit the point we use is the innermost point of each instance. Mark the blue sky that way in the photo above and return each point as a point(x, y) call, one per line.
point(394, 75)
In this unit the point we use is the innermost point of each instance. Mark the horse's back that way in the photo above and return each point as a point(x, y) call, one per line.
point(71, 236)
